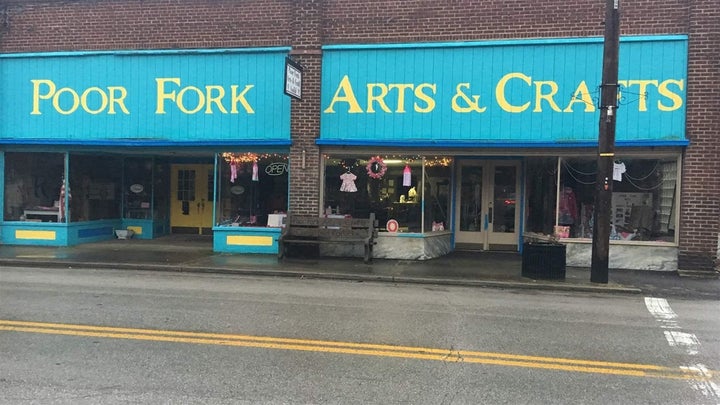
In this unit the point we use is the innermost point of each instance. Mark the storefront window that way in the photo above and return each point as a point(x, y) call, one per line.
point(642, 202)
point(252, 189)
point(392, 187)
point(541, 192)
point(33, 186)
point(138, 188)
point(161, 190)
point(95, 187)
point(438, 172)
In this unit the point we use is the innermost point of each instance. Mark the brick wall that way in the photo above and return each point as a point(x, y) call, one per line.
point(35, 25)
point(32, 26)
point(700, 211)
point(305, 116)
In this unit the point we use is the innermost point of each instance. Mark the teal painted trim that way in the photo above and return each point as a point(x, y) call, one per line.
point(148, 52)
point(246, 230)
point(148, 143)
point(509, 42)
point(521, 227)
point(147, 225)
point(216, 180)
point(402, 235)
point(8, 231)
point(68, 192)
point(91, 231)
point(220, 234)
point(2, 186)
point(494, 144)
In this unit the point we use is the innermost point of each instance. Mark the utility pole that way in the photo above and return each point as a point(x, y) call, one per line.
point(606, 144)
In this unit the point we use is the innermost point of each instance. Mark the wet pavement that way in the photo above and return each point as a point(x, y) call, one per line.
point(186, 253)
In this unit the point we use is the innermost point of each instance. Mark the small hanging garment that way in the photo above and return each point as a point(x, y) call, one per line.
point(255, 172)
point(406, 176)
point(618, 170)
point(348, 182)
point(233, 172)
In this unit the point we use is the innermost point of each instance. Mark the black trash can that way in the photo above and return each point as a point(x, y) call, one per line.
point(543, 260)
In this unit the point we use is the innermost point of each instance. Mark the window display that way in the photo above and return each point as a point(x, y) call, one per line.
point(94, 187)
point(33, 184)
point(642, 202)
point(398, 189)
point(252, 189)
point(138, 188)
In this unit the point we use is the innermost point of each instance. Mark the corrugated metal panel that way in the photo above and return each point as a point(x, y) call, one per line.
point(137, 75)
point(525, 92)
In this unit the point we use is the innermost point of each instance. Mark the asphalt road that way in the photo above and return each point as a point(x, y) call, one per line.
point(75, 336)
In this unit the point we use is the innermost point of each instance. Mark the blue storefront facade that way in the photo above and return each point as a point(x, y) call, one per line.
point(500, 140)
point(453, 145)
point(95, 142)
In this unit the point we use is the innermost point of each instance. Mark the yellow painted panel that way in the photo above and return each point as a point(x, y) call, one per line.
point(250, 240)
point(136, 229)
point(39, 235)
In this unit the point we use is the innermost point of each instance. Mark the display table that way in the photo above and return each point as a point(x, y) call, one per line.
point(276, 220)
point(51, 213)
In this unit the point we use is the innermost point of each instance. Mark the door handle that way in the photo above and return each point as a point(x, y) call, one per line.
point(490, 214)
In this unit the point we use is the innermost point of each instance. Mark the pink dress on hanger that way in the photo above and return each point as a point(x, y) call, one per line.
point(348, 182)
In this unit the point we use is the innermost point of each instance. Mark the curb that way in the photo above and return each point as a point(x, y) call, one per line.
point(303, 274)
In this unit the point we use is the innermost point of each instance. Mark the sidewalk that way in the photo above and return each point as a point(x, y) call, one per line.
point(480, 269)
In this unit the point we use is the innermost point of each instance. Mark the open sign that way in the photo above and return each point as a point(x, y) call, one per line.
point(276, 169)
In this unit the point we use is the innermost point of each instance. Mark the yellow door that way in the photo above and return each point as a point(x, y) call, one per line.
point(191, 205)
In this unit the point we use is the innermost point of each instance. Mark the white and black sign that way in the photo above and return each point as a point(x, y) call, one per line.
point(293, 79)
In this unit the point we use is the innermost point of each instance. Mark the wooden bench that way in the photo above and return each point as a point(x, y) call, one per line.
point(314, 230)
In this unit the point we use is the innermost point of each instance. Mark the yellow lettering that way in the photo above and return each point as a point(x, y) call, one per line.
point(241, 98)
point(500, 92)
point(117, 96)
point(581, 95)
point(181, 95)
point(217, 100)
point(401, 95)
point(347, 96)
point(663, 89)
point(103, 100)
point(75, 101)
point(471, 104)
point(37, 96)
point(113, 95)
point(540, 96)
point(161, 95)
point(428, 99)
point(642, 102)
point(380, 98)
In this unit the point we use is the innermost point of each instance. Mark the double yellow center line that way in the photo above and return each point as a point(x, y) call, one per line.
point(364, 349)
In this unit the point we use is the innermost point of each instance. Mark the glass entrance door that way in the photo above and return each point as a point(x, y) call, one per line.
point(486, 211)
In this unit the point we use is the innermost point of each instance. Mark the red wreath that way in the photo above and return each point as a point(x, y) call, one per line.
point(376, 167)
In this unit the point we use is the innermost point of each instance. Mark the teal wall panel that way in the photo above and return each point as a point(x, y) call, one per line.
point(156, 97)
point(530, 92)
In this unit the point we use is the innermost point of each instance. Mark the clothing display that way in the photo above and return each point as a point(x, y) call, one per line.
point(348, 182)
point(618, 170)
point(255, 172)
point(568, 207)
point(407, 178)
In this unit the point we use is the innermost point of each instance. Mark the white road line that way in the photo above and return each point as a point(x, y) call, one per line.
point(660, 308)
point(661, 311)
point(688, 341)
point(708, 388)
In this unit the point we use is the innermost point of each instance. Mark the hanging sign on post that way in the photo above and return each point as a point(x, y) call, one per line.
point(293, 79)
